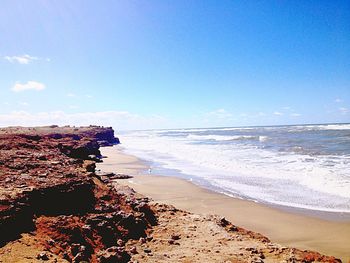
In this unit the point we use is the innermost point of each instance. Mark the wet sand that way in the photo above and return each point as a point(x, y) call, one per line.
point(328, 236)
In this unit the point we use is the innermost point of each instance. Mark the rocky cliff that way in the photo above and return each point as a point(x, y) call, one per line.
point(48, 189)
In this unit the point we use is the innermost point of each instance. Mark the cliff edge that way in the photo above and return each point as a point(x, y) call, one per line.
point(51, 198)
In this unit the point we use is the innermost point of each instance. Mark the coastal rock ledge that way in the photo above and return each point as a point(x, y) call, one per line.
point(55, 208)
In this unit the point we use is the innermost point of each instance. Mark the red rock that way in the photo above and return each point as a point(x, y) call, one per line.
point(48, 185)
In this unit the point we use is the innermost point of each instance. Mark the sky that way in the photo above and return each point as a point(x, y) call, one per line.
point(172, 64)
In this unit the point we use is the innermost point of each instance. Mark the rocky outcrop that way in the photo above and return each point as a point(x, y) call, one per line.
point(181, 236)
point(49, 188)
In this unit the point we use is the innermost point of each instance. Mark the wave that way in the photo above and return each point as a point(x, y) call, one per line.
point(335, 127)
point(294, 128)
point(263, 138)
point(185, 130)
point(244, 170)
point(221, 137)
point(236, 128)
point(319, 127)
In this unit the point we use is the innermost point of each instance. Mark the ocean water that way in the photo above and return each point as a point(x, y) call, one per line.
point(304, 166)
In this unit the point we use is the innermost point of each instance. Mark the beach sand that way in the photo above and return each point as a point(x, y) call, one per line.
point(330, 235)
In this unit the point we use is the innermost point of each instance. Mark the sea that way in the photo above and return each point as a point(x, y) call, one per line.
point(300, 166)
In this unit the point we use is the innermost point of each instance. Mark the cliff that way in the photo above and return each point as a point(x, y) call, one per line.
point(48, 189)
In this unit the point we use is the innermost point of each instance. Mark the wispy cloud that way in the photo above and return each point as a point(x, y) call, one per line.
point(24, 59)
point(120, 120)
point(29, 85)
point(337, 100)
point(277, 113)
point(295, 114)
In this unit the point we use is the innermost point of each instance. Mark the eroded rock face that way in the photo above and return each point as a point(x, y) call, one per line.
point(48, 186)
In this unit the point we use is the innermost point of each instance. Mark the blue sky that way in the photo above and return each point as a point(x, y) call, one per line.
point(168, 64)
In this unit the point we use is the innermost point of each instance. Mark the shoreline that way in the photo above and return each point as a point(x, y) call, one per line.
point(330, 235)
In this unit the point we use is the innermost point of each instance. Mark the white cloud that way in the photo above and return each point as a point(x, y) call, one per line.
point(25, 59)
point(278, 113)
point(337, 100)
point(72, 95)
point(89, 96)
point(219, 114)
point(295, 114)
point(120, 120)
point(286, 108)
point(30, 85)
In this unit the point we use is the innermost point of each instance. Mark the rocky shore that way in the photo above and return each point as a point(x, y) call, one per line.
point(55, 207)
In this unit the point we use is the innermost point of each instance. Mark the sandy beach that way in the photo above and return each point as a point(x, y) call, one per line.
point(329, 235)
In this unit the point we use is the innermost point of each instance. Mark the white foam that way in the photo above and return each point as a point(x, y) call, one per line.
point(320, 127)
point(335, 127)
point(236, 128)
point(203, 129)
point(183, 130)
point(280, 178)
point(263, 138)
point(220, 137)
